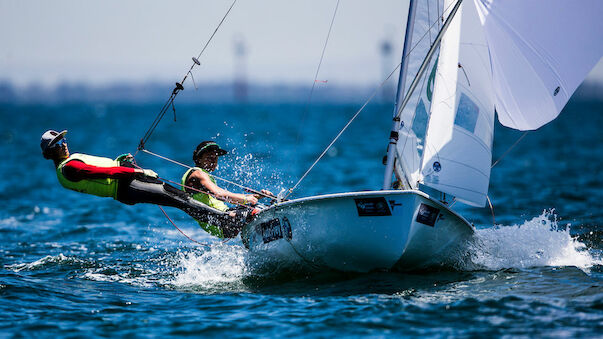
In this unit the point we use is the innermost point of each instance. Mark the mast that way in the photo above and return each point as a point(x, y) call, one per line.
point(393, 137)
point(410, 23)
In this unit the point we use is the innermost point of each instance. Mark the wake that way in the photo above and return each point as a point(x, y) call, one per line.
point(538, 242)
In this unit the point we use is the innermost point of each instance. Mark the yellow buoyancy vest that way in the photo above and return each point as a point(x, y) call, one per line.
point(101, 187)
point(208, 200)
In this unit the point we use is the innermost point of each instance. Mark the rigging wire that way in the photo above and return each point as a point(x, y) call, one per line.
point(509, 149)
point(248, 189)
point(204, 192)
point(324, 48)
point(193, 188)
point(342, 130)
point(179, 86)
point(370, 98)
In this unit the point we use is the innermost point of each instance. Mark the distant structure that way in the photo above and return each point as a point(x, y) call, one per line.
point(387, 91)
point(240, 88)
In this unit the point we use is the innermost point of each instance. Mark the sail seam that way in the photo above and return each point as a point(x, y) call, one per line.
point(463, 164)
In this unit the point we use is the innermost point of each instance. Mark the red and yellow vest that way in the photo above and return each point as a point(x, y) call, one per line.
point(100, 187)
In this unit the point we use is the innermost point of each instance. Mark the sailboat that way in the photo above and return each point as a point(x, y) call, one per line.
point(462, 61)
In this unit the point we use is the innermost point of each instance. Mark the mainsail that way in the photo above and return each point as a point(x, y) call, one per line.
point(424, 23)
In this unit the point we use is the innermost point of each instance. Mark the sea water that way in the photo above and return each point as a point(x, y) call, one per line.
point(77, 265)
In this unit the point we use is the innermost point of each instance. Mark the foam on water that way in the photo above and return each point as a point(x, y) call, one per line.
point(42, 262)
point(124, 278)
point(540, 241)
point(219, 265)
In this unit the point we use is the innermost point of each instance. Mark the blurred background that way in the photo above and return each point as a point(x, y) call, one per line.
point(136, 50)
point(80, 265)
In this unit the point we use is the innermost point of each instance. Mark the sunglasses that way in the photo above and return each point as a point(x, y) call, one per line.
point(59, 143)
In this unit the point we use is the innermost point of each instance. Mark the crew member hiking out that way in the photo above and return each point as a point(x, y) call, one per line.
point(119, 179)
point(199, 178)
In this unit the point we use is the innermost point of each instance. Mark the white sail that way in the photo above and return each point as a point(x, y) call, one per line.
point(540, 52)
point(425, 25)
point(457, 155)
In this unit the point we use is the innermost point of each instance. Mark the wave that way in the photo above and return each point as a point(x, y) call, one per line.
point(540, 241)
point(48, 260)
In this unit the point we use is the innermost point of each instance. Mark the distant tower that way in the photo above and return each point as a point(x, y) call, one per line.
point(240, 74)
point(387, 91)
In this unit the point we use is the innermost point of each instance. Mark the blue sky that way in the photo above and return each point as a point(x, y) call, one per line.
point(110, 41)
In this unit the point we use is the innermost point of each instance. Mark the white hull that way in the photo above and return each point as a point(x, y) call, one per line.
point(357, 232)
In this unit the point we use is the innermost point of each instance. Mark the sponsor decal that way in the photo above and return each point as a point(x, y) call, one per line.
point(287, 228)
point(427, 215)
point(271, 230)
point(372, 207)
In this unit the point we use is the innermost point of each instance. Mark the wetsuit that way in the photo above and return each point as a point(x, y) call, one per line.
point(106, 178)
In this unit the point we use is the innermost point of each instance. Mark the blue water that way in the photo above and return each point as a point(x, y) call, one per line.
point(77, 265)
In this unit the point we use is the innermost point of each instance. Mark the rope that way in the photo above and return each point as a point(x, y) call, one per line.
point(248, 189)
point(204, 192)
point(184, 234)
point(371, 97)
point(342, 130)
point(179, 87)
point(196, 189)
point(324, 48)
point(509, 149)
point(492, 210)
point(179, 230)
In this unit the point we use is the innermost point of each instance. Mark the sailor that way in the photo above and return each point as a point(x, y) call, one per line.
point(198, 178)
point(119, 179)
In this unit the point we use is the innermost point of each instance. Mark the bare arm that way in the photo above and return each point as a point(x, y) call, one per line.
point(201, 180)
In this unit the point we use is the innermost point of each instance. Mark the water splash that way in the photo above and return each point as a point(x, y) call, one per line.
point(540, 241)
point(221, 267)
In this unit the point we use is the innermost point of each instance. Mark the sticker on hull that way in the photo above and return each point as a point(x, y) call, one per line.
point(372, 207)
point(427, 215)
point(271, 230)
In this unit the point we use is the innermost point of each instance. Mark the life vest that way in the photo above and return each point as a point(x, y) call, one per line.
point(106, 187)
point(207, 200)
